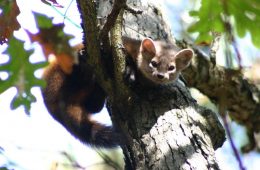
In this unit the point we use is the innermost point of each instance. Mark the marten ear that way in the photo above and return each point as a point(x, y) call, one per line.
point(148, 46)
point(183, 58)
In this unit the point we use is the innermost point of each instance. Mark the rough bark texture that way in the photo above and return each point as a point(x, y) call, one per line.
point(240, 97)
point(167, 130)
point(148, 23)
point(162, 127)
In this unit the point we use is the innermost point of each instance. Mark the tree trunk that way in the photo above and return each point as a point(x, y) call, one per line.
point(166, 129)
point(162, 127)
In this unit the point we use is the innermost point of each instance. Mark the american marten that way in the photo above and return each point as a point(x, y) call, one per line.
point(158, 61)
point(71, 96)
point(72, 93)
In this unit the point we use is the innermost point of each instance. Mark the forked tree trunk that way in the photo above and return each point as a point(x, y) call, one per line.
point(162, 127)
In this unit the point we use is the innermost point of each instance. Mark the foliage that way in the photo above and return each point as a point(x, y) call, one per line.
point(3, 168)
point(221, 16)
point(20, 70)
point(51, 37)
point(20, 74)
point(8, 19)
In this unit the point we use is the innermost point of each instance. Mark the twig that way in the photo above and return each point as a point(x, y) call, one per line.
point(237, 54)
point(114, 24)
point(65, 13)
point(110, 22)
point(111, 19)
point(67, 18)
point(223, 112)
point(74, 163)
point(226, 125)
point(108, 160)
point(228, 27)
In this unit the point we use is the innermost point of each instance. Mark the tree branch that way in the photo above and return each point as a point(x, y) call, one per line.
point(111, 18)
point(242, 97)
point(119, 56)
point(114, 23)
point(162, 126)
point(92, 44)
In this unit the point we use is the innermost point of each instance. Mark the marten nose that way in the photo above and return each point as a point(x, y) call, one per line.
point(160, 76)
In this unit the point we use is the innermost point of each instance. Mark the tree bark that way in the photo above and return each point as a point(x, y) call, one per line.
point(166, 129)
point(228, 87)
point(162, 127)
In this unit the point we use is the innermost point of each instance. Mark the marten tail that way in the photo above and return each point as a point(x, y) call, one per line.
point(88, 131)
point(104, 136)
point(71, 97)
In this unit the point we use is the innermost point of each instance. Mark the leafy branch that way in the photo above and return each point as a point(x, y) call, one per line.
point(222, 15)
point(20, 74)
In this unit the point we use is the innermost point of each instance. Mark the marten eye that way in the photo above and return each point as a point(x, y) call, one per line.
point(171, 68)
point(154, 63)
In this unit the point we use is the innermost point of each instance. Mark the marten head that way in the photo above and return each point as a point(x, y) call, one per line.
point(162, 62)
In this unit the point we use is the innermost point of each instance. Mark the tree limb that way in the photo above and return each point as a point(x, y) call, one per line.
point(118, 5)
point(114, 23)
point(92, 44)
point(163, 126)
point(242, 98)
point(119, 56)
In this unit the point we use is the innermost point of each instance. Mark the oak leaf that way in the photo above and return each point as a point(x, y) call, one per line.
point(8, 21)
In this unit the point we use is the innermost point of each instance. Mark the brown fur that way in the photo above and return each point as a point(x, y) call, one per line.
point(72, 93)
point(71, 96)
point(155, 59)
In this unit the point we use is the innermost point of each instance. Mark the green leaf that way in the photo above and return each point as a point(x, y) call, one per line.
point(6, 6)
point(20, 74)
point(3, 168)
point(247, 18)
point(204, 38)
point(42, 21)
point(52, 39)
point(209, 20)
point(244, 16)
point(193, 13)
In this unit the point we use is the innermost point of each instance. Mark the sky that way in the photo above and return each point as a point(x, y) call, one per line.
point(23, 137)
point(30, 141)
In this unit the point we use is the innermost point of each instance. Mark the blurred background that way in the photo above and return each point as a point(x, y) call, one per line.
point(37, 142)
